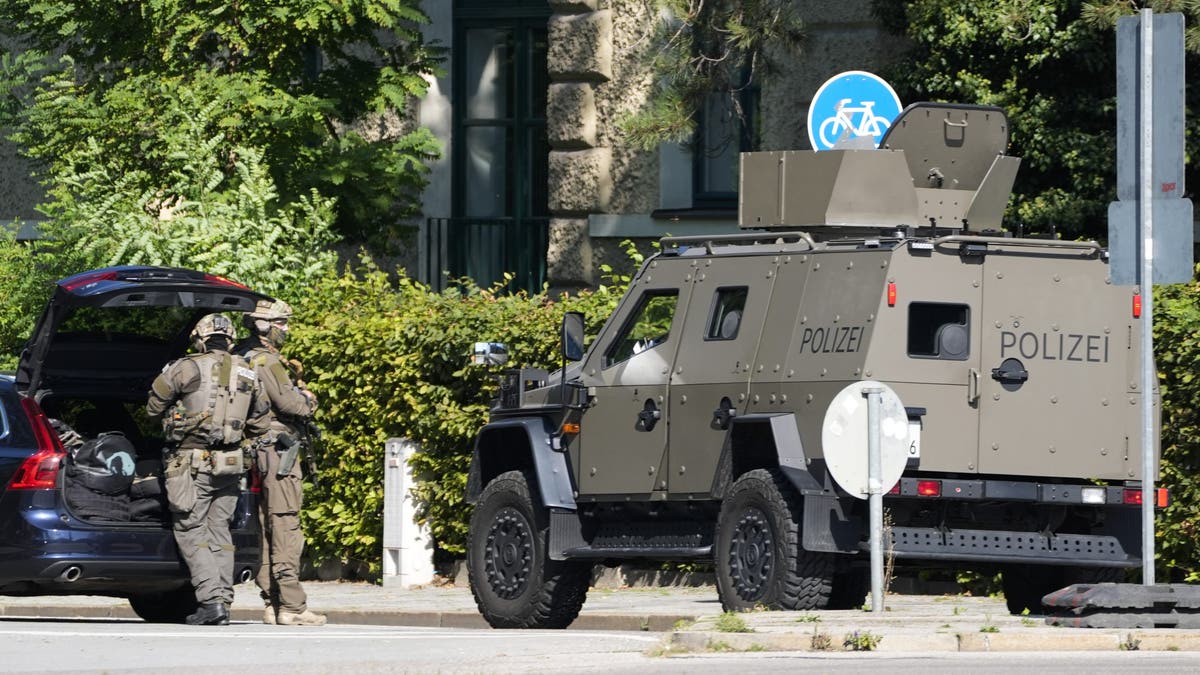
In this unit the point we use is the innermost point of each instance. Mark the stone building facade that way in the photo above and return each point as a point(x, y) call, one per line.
point(599, 189)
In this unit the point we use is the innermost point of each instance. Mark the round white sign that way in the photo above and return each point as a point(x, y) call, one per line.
point(844, 438)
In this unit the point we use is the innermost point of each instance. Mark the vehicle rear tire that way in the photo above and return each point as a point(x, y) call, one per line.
point(759, 559)
point(1024, 586)
point(514, 582)
point(850, 589)
point(165, 606)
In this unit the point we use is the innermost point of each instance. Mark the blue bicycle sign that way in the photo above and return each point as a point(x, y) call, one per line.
point(851, 110)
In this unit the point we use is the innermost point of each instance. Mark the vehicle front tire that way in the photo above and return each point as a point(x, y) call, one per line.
point(759, 559)
point(165, 606)
point(514, 582)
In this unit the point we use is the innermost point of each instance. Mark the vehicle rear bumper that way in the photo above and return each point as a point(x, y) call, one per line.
point(997, 546)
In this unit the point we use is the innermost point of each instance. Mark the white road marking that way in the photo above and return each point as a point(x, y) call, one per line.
point(208, 633)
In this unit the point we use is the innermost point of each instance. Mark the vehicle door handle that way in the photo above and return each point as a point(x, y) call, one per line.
point(1011, 371)
point(972, 387)
point(724, 413)
point(648, 416)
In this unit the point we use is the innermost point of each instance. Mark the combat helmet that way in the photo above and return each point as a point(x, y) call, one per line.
point(211, 325)
point(269, 321)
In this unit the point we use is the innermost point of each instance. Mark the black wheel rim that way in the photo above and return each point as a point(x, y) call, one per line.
point(508, 556)
point(751, 555)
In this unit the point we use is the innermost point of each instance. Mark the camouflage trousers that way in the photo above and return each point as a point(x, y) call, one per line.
point(202, 534)
point(279, 505)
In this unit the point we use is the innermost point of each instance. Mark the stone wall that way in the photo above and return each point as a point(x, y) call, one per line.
point(598, 77)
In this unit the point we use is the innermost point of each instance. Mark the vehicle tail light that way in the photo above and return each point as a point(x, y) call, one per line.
point(1092, 495)
point(85, 279)
point(1134, 496)
point(224, 282)
point(1137, 306)
point(39, 471)
point(891, 294)
point(255, 482)
point(929, 488)
point(895, 489)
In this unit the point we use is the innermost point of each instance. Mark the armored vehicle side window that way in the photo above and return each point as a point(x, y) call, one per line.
point(647, 327)
point(939, 331)
point(725, 317)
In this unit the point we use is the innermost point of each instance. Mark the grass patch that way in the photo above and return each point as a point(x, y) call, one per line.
point(731, 622)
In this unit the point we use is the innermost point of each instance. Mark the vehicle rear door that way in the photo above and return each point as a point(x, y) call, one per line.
point(111, 330)
point(711, 378)
point(1056, 345)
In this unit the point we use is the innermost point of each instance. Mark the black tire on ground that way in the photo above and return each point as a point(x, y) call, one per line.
point(165, 606)
point(1024, 586)
point(1090, 575)
point(759, 559)
point(514, 582)
point(850, 589)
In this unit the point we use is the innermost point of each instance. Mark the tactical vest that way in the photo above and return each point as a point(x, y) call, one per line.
point(217, 410)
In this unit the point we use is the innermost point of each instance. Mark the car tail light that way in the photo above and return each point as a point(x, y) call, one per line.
point(85, 279)
point(929, 488)
point(224, 282)
point(39, 471)
point(1134, 496)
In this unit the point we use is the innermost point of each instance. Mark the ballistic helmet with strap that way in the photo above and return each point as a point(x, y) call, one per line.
point(210, 325)
point(269, 321)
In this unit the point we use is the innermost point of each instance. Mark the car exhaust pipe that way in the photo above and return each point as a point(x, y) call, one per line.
point(71, 574)
point(245, 576)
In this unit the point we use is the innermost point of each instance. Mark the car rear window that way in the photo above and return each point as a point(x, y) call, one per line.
point(153, 322)
point(14, 426)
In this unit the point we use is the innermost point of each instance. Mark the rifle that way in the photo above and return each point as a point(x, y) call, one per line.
point(311, 439)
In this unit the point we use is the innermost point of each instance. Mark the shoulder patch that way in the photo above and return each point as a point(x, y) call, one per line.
point(247, 373)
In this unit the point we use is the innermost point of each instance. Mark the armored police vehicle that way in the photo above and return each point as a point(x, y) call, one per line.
point(691, 427)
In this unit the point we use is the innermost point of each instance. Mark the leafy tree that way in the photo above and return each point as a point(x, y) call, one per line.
point(698, 48)
point(1051, 65)
point(302, 80)
point(213, 207)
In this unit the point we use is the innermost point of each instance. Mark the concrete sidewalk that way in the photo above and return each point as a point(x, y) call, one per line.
point(692, 620)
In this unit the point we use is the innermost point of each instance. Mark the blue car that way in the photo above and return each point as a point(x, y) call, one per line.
point(101, 340)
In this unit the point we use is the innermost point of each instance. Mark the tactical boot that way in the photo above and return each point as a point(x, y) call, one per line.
point(212, 614)
point(269, 615)
point(305, 618)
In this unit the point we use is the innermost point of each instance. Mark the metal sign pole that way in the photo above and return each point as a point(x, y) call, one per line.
point(875, 495)
point(1146, 205)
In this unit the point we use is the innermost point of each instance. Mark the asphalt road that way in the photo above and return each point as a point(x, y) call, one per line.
point(96, 646)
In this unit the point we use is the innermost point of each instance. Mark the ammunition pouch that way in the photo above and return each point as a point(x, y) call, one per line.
point(226, 462)
point(179, 480)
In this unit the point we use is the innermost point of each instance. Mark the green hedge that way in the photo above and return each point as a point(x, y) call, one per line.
point(390, 358)
point(1177, 351)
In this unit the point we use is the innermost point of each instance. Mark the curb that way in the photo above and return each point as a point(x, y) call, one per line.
point(700, 641)
point(655, 623)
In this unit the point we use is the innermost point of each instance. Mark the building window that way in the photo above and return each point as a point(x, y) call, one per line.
point(721, 135)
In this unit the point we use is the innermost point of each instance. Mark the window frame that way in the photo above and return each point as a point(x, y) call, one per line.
point(713, 323)
point(933, 322)
point(631, 321)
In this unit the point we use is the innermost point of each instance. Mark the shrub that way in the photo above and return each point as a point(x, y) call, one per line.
point(388, 357)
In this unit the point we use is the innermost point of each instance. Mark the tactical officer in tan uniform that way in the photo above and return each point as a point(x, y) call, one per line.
point(292, 405)
point(214, 408)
